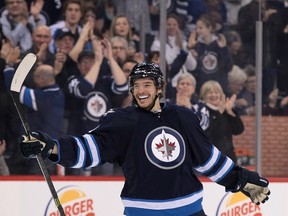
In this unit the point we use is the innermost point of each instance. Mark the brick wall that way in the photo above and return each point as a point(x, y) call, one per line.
point(274, 144)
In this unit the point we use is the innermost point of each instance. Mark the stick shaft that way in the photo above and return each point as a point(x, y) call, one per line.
point(15, 98)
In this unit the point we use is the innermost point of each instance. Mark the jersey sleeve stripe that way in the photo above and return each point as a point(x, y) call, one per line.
point(223, 170)
point(93, 150)
point(27, 97)
point(211, 161)
point(81, 154)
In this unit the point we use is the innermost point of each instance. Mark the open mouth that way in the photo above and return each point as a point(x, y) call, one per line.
point(143, 97)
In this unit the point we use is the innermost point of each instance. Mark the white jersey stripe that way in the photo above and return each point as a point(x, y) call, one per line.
point(228, 164)
point(81, 154)
point(93, 149)
point(211, 162)
point(162, 205)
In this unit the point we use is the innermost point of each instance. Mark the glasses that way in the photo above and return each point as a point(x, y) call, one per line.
point(85, 62)
point(14, 2)
point(185, 84)
point(117, 48)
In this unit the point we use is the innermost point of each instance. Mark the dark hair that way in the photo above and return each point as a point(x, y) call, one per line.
point(232, 36)
point(152, 54)
point(207, 19)
point(68, 2)
point(250, 70)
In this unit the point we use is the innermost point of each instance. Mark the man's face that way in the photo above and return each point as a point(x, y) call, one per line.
point(41, 35)
point(65, 44)
point(85, 65)
point(119, 51)
point(144, 92)
point(251, 84)
point(16, 7)
point(73, 14)
point(127, 67)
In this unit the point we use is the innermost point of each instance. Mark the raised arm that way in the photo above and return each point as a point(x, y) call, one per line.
point(117, 72)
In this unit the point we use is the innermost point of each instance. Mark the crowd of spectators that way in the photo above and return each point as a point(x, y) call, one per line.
point(86, 48)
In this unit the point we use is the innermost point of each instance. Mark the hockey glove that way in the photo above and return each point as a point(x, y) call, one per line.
point(37, 143)
point(253, 186)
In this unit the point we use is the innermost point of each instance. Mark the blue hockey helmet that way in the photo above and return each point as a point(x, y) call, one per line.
point(146, 69)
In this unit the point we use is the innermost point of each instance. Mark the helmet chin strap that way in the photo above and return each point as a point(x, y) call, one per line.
point(157, 96)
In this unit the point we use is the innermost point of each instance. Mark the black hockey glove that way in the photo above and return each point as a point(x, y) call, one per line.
point(253, 186)
point(37, 143)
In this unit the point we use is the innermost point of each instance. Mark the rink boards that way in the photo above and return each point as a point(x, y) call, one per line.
point(99, 196)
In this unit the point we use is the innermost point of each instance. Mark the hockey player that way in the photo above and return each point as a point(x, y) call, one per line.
point(157, 146)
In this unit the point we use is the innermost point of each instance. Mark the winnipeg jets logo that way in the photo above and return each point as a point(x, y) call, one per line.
point(165, 148)
point(210, 62)
point(95, 105)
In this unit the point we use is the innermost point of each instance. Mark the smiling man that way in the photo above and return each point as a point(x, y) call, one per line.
point(158, 147)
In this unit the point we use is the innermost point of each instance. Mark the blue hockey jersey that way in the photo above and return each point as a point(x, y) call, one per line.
point(158, 152)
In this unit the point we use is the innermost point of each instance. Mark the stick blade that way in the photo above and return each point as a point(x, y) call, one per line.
point(22, 71)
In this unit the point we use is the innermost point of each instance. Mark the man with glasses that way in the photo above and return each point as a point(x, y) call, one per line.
point(18, 21)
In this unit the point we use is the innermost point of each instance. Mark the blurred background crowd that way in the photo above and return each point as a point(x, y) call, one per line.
point(86, 49)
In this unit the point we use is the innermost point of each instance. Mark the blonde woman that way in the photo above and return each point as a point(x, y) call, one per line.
point(121, 26)
point(224, 122)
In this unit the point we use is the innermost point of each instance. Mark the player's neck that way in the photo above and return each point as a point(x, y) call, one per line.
point(157, 107)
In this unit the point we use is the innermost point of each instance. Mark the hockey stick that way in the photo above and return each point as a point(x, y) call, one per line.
point(18, 79)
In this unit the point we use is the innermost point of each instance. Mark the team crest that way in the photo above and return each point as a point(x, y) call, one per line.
point(165, 148)
point(95, 105)
point(209, 62)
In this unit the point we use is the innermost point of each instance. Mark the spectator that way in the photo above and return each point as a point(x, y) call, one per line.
point(217, 6)
point(10, 124)
point(248, 93)
point(236, 80)
point(119, 49)
point(233, 7)
point(64, 66)
point(214, 60)
point(41, 38)
point(270, 16)
point(72, 17)
point(106, 10)
point(4, 170)
point(224, 122)
point(3, 110)
point(126, 68)
point(91, 14)
point(277, 104)
point(236, 83)
point(282, 67)
point(135, 10)
point(175, 46)
point(121, 26)
point(234, 44)
point(52, 10)
point(18, 25)
point(186, 96)
point(97, 93)
point(44, 108)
